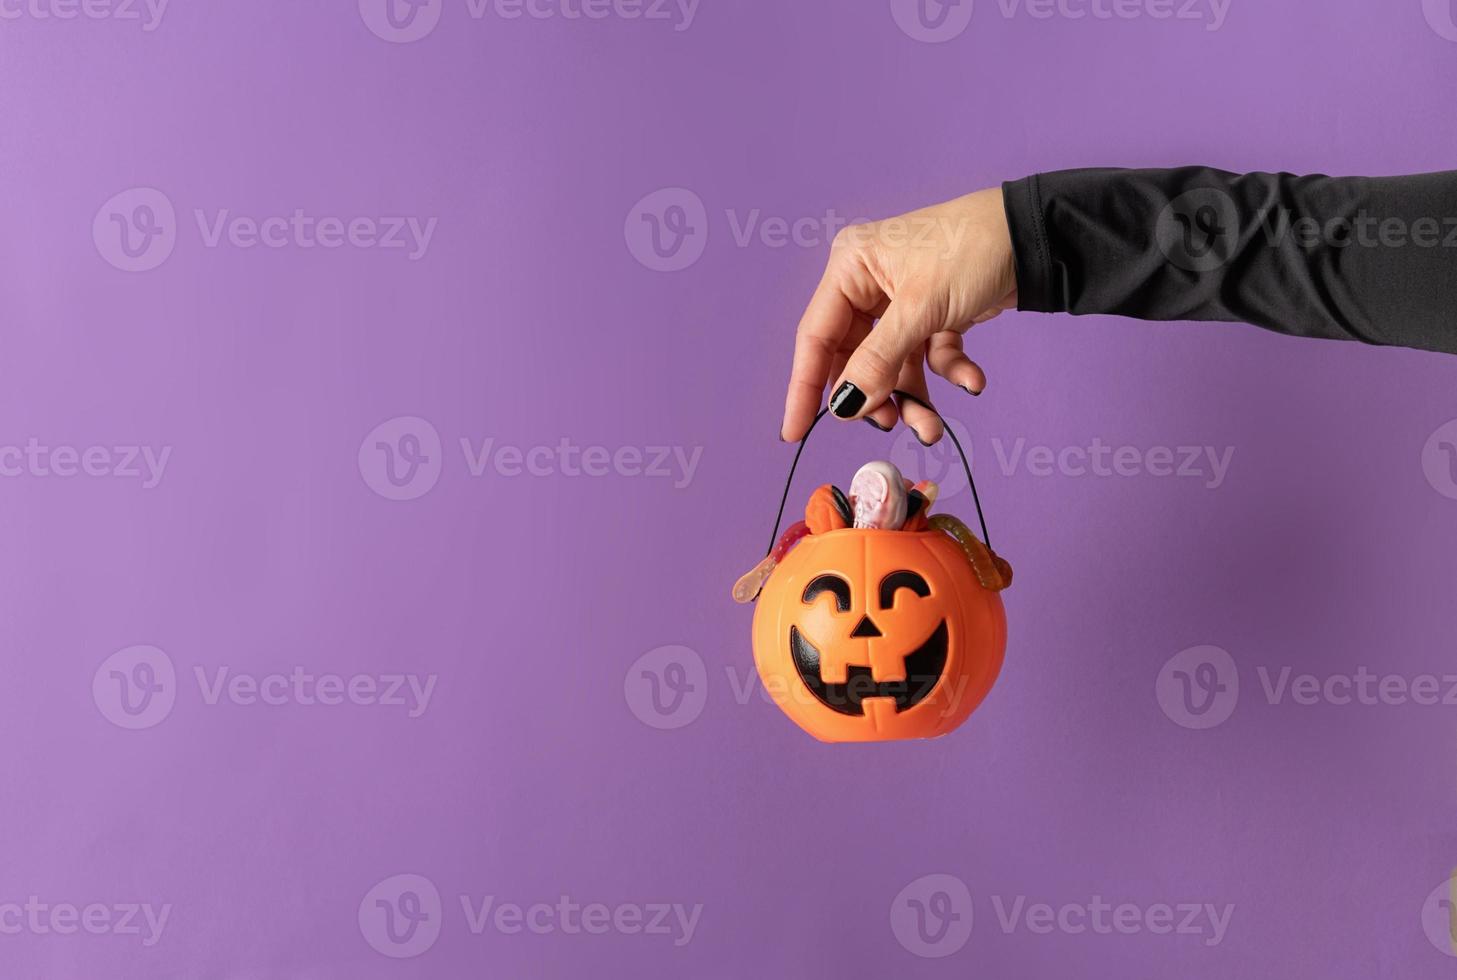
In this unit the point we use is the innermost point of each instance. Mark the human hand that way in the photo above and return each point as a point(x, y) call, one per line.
point(927, 277)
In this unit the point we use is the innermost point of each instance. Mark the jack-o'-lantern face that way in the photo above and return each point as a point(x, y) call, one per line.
point(866, 635)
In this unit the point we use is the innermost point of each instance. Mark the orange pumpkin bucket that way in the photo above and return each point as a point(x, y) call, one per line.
point(873, 635)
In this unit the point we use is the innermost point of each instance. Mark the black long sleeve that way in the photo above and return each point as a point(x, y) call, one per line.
point(1372, 259)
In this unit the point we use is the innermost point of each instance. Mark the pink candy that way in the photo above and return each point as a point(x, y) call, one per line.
point(879, 493)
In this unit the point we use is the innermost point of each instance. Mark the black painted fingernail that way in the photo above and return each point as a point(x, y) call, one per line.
point(969, 391)
point(847, 401)
point(921, 441)
point(882, 428)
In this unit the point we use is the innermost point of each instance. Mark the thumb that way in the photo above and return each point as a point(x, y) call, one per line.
point(871, 372)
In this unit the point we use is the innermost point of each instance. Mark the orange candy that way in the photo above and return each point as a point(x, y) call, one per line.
point(992, 570)
point(826, 511)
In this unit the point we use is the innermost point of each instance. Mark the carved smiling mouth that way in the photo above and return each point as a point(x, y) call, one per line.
point(924, 666)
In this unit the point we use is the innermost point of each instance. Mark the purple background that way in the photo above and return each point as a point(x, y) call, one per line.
point(531, 598)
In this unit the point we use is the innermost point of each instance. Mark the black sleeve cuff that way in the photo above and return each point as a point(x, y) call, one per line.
point(1022, 200)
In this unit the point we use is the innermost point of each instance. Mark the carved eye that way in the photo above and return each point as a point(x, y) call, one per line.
point(832, 584)
point(901, 580)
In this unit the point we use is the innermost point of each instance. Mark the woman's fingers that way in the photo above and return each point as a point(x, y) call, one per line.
point(822, 331)
point(874, 367)
point(885, 417)
point(923, 421)
point(967, 275)
point(945, 356)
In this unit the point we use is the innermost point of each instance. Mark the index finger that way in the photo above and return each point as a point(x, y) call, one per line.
point(822, 330)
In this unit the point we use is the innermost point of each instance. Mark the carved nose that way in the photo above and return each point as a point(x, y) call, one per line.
point(865, 628)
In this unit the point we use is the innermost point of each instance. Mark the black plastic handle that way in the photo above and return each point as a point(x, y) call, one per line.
point(904, 396)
